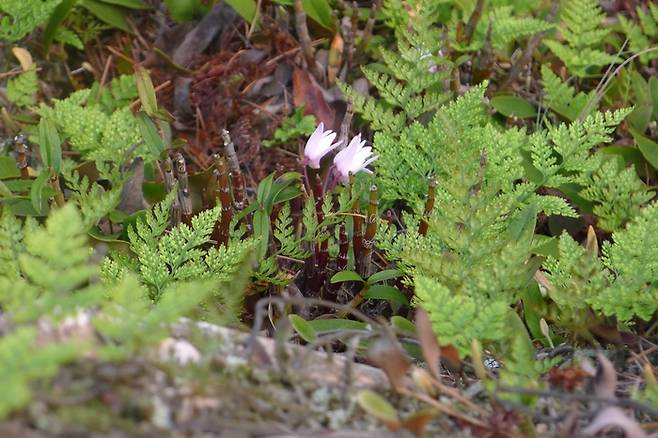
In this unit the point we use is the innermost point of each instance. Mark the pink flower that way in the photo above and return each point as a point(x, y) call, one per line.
point(318, 145)
point(354, 158)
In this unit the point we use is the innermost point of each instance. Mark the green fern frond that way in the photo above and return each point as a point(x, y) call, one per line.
point(582, 32)
point(561, 97)
point(22, 89)
point(20, 17)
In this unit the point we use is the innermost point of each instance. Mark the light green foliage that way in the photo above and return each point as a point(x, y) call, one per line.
point(11, 244)
point(407, 81)
point(520, 368)
point(20, 17)
point(293, 127)
point(95, 131)
point(645, 35)
point(581, 28)
point(562, 154)
point(22, 89)
point(93, 201)
point(506, 24)
point(459, 318)
point(285, 234)
point(632, 260)
point(561, 97)
point(45, 278)
point(164, 258)
point(621, 284)
point(66, 36)
point(617, 194)
point(22, 362)
point(130, 321)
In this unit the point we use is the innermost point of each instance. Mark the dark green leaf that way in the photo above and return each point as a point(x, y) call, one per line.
point(320, 11)
point(145, 90)
point(150, 135)
point(341, 276)
point(36, 194)
point(8, 168)
point(50, 144)
point(245, 8)
point(523, 223)
point(55, 20)
point(384, 292)
point(332, 325)
point(648, 147)
point(4, 191)
point(384, 275)
point(262, 231)
point(513, 106)
point(110, 14)
point(264, 190)
point(402, 323)
point(130, 4)
point(303, 328)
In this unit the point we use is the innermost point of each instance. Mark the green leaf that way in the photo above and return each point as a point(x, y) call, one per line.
point(404, 324)
point(59, 14)
point(245, 8)
point(303, 328)
point(150, 135)
point(50, 144)
point(384, 275)
point(110, 14)
point(377, 406)
point(384, 292)
point(341, 276)
point(523, 223)
point(130, 4)
point(4, 191)
point(320, 11)
point(8, 168)
point(264, 190)
point(36, 194)
point(648, 147)
point(145, 90)
point(513, 106)
point(333, 325)
point(261, 222)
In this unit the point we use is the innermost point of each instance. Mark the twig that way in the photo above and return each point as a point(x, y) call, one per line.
point(305, 41)
point(429, 206)
point(623, 402)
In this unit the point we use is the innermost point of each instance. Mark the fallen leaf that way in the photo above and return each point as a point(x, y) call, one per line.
point(428, 343)
point(308, 94)
point(387, 354)
point(605, 382)
point(613, 416)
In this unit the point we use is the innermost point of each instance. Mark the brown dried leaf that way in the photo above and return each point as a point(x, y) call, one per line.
point(417, 423)
point(605, 382)
point(428, 343)
point(613, 416)
point(387, 354)
point(592, 244)
point(307, 93)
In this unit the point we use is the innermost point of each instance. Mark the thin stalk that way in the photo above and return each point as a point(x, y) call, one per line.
point(184, 196)
point(343, 248)
point(21, 156)
point(59, 196)
point(237, 178)
point(357, 232)
point(170, 183)
point(371, 230)
point(223, 192)
point(429, 206)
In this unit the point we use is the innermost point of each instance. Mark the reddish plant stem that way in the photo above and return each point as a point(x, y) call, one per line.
point(320, 249)
point(237, 178)
point(371, 230)
point(343, 248)
point(21, 156)
point(429, 206)
point(357, 232)
point(223, 192)
point(170, 183)
point(184, 196)
point(59, 196)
